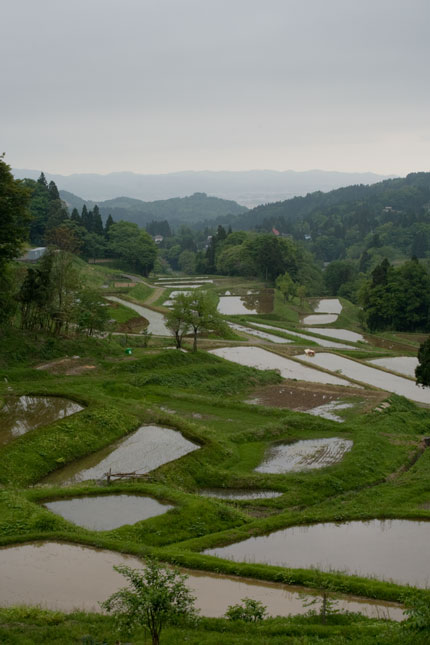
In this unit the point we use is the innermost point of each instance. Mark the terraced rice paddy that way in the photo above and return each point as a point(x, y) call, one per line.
point(304, 455)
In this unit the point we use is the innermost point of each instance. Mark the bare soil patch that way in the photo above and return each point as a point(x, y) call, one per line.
point(67, 366)
point(305, 397)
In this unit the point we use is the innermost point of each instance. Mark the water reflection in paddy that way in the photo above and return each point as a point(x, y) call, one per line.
point(24, 413)
point(388, 550)
point(303, 455)
point(238, 493)
point(402, 364)
point(156, 320)
point(146, 449)
point(319, 319)
point(318, 341)
point(260, 334)
point(68, 576)
point(371, 375)
point(328, 306)
point(255, 302)
point(342, 334)
point(264, 360)
point(107, 512)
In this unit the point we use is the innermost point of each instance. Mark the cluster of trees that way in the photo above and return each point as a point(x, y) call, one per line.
point(52, 297)
point(397, 298)
point(194, 313)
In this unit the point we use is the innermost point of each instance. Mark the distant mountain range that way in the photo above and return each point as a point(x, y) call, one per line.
point(178, 210)
point(249, 188)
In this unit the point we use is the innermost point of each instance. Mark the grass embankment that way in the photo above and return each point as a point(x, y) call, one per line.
point(22, 626)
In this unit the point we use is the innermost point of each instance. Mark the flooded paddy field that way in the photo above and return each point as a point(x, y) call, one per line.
point(402, 364)
point(319, 319)
point(107, 512)
point(318, 341)
point(259, 334)
point(328, 306)
point(251, 302)
point(156, 322)
point(145, 450)
point(264, 360)
point(341, 334)
point(370, 375)
point(35, 574)
point(303, 455)
point(239, 493)
point(22, 414)
point(390, 550)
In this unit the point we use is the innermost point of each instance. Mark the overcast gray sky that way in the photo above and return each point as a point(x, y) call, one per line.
point(166, 85)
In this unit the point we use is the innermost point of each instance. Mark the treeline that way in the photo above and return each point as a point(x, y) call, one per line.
point(388, 219)
point(397, 298)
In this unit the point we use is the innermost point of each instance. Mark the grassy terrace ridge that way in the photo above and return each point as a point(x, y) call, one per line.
point(385, 475)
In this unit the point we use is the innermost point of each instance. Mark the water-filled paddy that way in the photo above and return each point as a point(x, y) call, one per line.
point(239, 493)
point(342, 334)
point(260, 334)
point(24, 413)
point(328, 306)
point(401, 364)
point(318, 341)
point(156, 320)
point(388, 550)
point(253, 302)
point(304, 455)
point(264, 360)
point(146, 449)
point(68, 576)
point(107, 512)
point(327, 410)
point(371, 375)
point(319, 319)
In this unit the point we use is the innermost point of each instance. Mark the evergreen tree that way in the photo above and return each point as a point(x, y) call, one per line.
point(42, 180)
point(53, 191)
point(75, 217)
point(97, 224)
point(108, 224)
point(85, 218)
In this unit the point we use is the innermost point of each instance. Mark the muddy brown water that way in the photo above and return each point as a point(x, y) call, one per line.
point(65, 577)
point(238, 493)
point(146, 449)
point(255, 302)
point(107, 512)
point(22, 414)
point(391, 550)
point(307, 454)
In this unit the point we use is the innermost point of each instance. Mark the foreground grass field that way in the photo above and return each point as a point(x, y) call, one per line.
point(385, 475)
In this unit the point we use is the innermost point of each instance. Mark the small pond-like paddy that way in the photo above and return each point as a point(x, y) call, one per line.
point(65, 577)
point(328, 306)
point(391, 550)
point(401, 364)
point(370, 375)
point(319, 319)
point(238, 493)
point(264, 360)
point(306, 454)
point(253, 302)
point(24, 413)
point(107, 512)
point(146, 449)
point(327, 410)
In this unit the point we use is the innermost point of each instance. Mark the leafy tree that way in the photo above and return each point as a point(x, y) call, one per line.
point(94, 246)
point(14, 214)
point(133, 246)
point(202, 314)
point(337, 274)
point(187, 262)
point(286, 286)
point(177, 320)
point(422, 371)
point(301, 294)
point(156, 596)
point(250, 611)
point(91, 311)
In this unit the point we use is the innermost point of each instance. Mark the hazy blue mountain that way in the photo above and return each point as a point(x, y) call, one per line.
point(186, 210)
point(249, 188)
